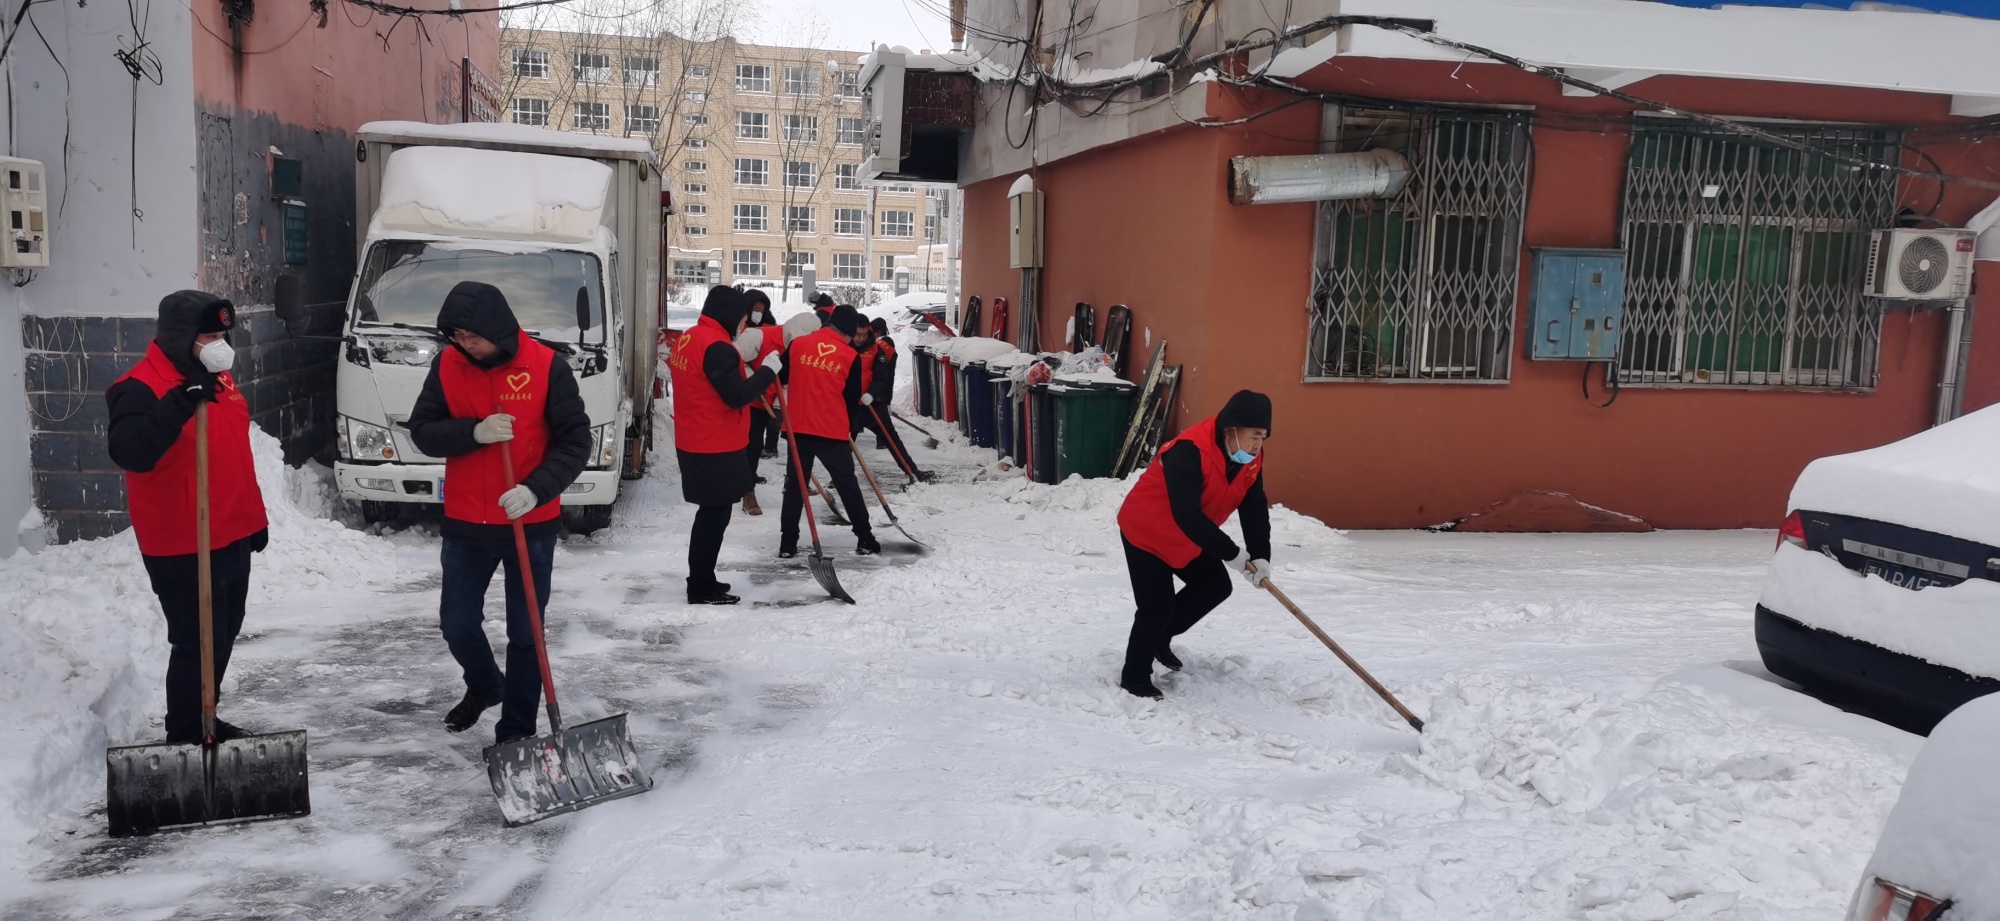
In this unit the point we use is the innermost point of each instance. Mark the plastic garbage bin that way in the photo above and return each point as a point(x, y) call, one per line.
point(1002, 386)
point(978, 390)
point(948, 399)
point(1090, 420)
point(1040, 428)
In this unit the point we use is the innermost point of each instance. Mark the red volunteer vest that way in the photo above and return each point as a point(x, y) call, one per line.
point(817, 394)
point(519, 388)
point(773, 343)
point(161, 500)
point(867, 358)
point(703, 424)
point(1147, 519)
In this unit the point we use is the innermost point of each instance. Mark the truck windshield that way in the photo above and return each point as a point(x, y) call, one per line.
point(557, 294)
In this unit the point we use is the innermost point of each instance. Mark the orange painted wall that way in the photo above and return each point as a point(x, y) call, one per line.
point(1147, 223)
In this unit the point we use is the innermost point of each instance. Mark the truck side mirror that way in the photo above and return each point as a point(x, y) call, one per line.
point(582, 309)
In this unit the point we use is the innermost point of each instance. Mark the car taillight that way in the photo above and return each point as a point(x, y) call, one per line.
point(1882, 900)
point(1793, 531)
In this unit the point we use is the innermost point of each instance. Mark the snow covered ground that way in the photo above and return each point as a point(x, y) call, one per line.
point(1600, 745)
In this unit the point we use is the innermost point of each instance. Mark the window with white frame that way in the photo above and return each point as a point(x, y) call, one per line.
point(902, 187)
point(850, 84)
point(690, 271)
point(590, 67)
point(796, 263)
point(799, 219)
point(592, 116)
point(531, 112)
point(802, 128)
point(695, 188)
point(697, 71)
point(850, 221)
point(899, 223)
point(799, 174)
point(753, 126)
point(694, 166)
point(847, 177)
point(694, 210)
point(748, 262)
point(695, 121)
point(801, 81)
point(753, 78)
point(753, 171)
point(642, 71)
point(695, 143)
point(752, 218)
point(848, 267)
point(697, 97)
point(642, 120)
point(695, 230)
point(532, 63)
point(930, 226)
point(852, 131)
point(888, 269)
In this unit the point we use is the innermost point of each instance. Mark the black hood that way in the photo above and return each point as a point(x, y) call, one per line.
point(185, 315)
point(755, 300)
point(481, 309)
point(846, 319)
point(822, 301)
point(1248, 409)
point(727, 306)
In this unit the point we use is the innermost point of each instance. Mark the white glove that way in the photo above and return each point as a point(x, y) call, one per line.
point(748, 342)
point(867, 399)
point(518, 501)
point(773, 362)
point(1258, 572)
point(496, 427)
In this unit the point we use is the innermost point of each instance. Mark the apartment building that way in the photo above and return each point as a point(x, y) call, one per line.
point(760, 146)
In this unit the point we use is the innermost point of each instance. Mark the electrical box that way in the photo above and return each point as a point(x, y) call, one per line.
point(1024, 250)
point(24, 208)
point(1579, 304)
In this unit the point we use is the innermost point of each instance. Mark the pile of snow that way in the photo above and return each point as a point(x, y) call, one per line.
point(968, 349)
point(1948, 625)
point(491, 193)
point(1942, 480)
point(1943, 837)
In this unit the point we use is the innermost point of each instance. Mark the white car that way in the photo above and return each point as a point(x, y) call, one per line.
point(1936, 857)
point(1882, 595)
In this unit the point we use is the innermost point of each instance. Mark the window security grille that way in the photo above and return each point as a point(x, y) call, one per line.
point(1421, 286)
point(1744, 263)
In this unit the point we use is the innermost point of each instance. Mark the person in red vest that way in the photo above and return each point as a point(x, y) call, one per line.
point(1171, 525)
point(878, 390)
point(713, 391)
point(497, 385)
point(822, 395)
point(823, 306)
point(151, 436)
point(768, 341)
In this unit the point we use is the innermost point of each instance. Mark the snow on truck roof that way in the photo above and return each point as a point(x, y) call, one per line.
point(498, 194)
point(502, 136)
point(1942, 479)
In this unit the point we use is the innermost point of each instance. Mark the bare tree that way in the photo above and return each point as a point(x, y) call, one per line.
point(808, 113)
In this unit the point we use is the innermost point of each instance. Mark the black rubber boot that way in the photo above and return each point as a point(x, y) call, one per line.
point(1140, 687)
point(1168, 659)
point(463, 716)
point(866, 545)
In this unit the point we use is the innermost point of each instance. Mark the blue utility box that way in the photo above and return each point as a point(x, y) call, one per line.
point(1579, 304)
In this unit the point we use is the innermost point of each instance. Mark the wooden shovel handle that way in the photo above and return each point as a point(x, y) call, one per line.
point(204, 573)
point(1360, 672)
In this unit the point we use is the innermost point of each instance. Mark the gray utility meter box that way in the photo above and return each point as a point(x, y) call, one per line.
point(1579, 304)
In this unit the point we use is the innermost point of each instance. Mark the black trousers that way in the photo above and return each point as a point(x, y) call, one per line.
point(176, 581)
point(1163, 613)
point(705, 545)
point(838, 459)
point(762, 429)
point(886, 430)
point(468, 567)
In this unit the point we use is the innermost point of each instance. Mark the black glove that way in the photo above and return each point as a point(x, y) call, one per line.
point(260, 540)
point(198, 388)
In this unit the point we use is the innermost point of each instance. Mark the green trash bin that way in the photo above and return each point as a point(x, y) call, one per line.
point(1090, 420)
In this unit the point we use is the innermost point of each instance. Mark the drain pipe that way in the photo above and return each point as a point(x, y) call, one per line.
point(1317, 177)
point(1957, 354)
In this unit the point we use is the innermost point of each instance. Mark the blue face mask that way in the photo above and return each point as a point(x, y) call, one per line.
point(1241, 456)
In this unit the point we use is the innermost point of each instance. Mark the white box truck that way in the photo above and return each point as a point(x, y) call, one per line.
point(566, 225)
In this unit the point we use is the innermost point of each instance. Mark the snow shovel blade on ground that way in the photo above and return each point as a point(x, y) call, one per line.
point(818, 563)
point(567, 770)
point(884, 499)
point(822, 570)
point(166, 785)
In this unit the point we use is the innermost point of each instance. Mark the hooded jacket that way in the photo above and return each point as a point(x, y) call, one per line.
point(711, 391)
point(1182, 476)
point(441, 429)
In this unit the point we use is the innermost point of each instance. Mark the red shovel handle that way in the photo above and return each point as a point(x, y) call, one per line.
point(528, 588)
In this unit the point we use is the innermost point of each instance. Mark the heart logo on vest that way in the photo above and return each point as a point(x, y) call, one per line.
point(518, 381)
point(826, 348)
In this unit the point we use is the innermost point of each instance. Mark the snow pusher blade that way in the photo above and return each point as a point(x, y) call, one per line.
point(822, 570)
point(569, 769)
point(884, 499)
point(165, 785)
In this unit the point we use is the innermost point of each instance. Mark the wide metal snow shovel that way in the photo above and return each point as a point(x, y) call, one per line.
point(179, 784)
point(568, 769)
point(886, 510)
point(929, 442)
point(819, 563)
point(834, 512)
point(1360, 672)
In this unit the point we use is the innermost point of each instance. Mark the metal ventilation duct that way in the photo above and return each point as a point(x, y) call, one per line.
point(1317, 177)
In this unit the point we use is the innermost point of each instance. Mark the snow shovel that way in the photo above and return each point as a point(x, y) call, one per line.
point(878, 489)
point(171, 785)
point(834, 512)
point(568, 769)
point(901, 458)
point(819, 563)
point(929, 442)
point(1366, 678)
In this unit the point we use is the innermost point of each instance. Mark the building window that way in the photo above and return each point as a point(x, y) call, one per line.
point(695, 121)
point(695, 143)
point(753, 78)
point(797, 263)
point(695, 230)
point(847, 177)
point(799, 174)
point(801, 81)
point(899, 223)
point(802, 128)
point(697, 71)
point(850, 84)
point(799, 219)
point(1421, 286)
point(751, 171)
point(848, 267)
point(852, 130)
point(748, 262)
point(592, 116)
point(693, 271)
point(694, 210)
point(697, 97)
point(642, 71)
point(694, 166)
point(695, 188)
point(1744, 263)
point(888, 269)
point(752, 219)
point(930, 226)
point(642, 120)
point(589, 67)
point(902, 187)
point(531, 112)
point(850, 221)
point(532, 63)
point(753, 126)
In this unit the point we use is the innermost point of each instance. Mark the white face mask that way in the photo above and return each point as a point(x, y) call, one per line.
point(217, 356)
point(756, 316)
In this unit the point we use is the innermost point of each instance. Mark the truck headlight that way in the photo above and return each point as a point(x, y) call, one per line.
point(366, 442)
point(603, 445)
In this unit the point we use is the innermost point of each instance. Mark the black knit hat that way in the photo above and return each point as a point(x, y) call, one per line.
point(846, 319)
point(1248, 409)
point(822, 300)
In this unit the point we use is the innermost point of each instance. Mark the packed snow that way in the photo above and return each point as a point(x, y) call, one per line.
point(491, 193)
point(1945, 829)
point(1941, 479)
point(1949, 625)
point(1600, 743)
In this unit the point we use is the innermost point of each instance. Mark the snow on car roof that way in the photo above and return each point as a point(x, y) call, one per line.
point(492, 193)
point(1944, 833)
point(502, 134)
point(1943, 480)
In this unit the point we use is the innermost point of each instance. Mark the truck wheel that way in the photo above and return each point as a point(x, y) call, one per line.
point(374, 512)
point(638, 450)
point(585, 519)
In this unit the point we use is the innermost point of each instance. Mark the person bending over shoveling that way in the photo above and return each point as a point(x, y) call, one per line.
point(151, 436)
point(494, 385)
point(1171, 525)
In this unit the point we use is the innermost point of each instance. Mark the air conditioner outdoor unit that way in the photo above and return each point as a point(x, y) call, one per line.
point(1920, 265)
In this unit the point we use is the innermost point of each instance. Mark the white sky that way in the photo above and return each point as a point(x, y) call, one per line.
point(855, 25)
